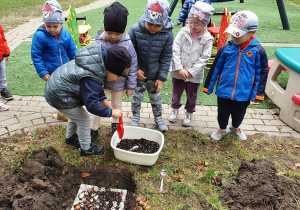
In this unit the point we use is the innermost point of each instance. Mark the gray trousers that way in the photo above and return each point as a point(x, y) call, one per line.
point(78, 119)
point(3, 83)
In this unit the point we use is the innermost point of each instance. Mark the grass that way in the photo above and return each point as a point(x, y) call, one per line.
point(182, 152)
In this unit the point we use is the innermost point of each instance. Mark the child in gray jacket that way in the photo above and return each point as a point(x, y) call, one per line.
point(152, 38)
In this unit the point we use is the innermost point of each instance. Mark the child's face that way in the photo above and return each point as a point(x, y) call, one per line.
point(53, 28)
point(112, 76)
point(153, 28)
point(195, 25)
point(241, 40)
point(113, 36)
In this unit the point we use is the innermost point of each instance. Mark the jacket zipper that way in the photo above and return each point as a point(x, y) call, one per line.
point(220, 79)
point(150, 44)
point(59, 52)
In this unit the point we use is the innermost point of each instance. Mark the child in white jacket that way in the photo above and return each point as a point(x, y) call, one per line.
point(191, 52)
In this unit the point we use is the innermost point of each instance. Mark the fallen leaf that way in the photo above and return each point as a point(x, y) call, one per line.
point(148, 207)
point(242, 146)
point(169, 144)
point(90, 158)
point(200, 175)
point(297, 164)
point(29, 134)
point(280, 173)
point(144, 177)
point(117, 164)
point(16, 149)
point(279, 127)
point(83, 175)
point(174, 159)
point(97, 164)
point(181, 176)
point(168, 180)
point(160, 161)
point(296, 146)
point(166, 94)
point(266, 148)
point(138, 199)
point(163, 192)
point(0, 164)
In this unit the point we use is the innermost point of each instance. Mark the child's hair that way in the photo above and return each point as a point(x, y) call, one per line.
point(52, 12)
point(157, 11)
point(241, 23)
point(202, 11)
point(115, 18)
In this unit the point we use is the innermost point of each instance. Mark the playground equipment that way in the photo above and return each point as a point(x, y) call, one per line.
point(79, 33)
point(287, 99)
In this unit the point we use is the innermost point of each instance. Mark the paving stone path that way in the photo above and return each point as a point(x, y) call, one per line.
point(29, 113)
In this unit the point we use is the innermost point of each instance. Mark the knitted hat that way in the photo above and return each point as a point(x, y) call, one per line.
point(241, 23)
point(52, 12)
point(118, 61)
point(202, 11)
point(115, 18)
point(157, 11)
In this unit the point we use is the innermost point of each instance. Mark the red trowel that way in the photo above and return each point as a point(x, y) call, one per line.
point(120, 128)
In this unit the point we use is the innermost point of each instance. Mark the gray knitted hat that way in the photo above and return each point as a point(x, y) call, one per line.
point(157, 11)
point(52, 12)
point(202, 11)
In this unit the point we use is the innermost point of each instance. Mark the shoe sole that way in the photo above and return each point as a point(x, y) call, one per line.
point(98, 153)
point(186, 125)
point(11, 98)
point(172, 121)
point(2, 110)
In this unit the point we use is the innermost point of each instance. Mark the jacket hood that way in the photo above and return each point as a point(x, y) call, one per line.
point(125, 37)
point(167, 26)
point(253, 43)
point(90, 58)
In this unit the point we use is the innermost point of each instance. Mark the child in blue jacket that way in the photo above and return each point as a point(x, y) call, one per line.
point(152, 38)
point(52, 45)
point(241, 70)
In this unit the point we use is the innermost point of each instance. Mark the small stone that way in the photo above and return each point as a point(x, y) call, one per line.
point(81, 196)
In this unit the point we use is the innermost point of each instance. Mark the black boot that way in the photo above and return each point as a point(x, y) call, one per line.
point(114, 127)
point(94, 135)
point(73, 140)
point(93, 150)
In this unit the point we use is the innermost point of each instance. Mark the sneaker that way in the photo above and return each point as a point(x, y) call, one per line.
point(73, 140)
point(94, 135)
point(114, 127)
point(62, 117)
point(240, 134)
point(6, 94)
point(173, 115)
point(159, 122)
point(218, 134)
point(93, 150)
point(3, 107)
point(135, 120)
point(188, 119)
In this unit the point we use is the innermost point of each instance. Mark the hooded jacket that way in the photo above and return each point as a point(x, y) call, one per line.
point(154, 51)
point(48, 53)
point(190, 54)
point(241, 74)
point(4, 49)
point(130, 81)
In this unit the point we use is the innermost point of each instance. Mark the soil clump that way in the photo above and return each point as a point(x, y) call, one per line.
point(44, 182)
point(138, 145)
point(258, 187)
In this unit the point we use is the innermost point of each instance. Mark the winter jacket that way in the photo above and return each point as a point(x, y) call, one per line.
point(241, 74)
point(63, 87)
point(4, 49)
point(185, 10)
point(154, 51)
point(192, 55)
point(130, 81)
point(48, 53)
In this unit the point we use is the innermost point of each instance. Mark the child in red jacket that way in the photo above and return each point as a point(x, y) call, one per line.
point(4, 57)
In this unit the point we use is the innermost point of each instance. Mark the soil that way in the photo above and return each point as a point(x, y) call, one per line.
point(44, 182)
point(138, 145)
point(258, 187)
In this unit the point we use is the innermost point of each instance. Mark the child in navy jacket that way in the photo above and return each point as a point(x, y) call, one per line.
point(241, 70)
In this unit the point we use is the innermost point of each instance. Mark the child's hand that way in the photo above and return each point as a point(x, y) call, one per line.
point(187, 73)
point(129, 92)
point(106, 103)
point(117, 113)
point(140, 75)
point(46, 77)
point(159, 84)
point(7, 59)
point(182, 73)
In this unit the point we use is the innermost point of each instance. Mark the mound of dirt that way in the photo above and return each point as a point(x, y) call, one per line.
point(257, 187)
point(44, 182)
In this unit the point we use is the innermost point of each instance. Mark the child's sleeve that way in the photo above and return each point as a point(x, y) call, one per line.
point(183, 12)
point(165, 59)
point(261, 75)
point(71, 51)
point(4, 43)
point(132, 37)
point(177, 52)
point(131, 79)
point(198, 68)
point(37, 49)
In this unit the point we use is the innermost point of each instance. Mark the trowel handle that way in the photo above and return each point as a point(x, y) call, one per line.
point(161, 185)
point(121, 120)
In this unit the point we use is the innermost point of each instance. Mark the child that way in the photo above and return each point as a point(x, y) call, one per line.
point(52, 44)
point(79, 83)
point(191, 52)
point(152, 38)
point(4, 57)
point(185, 10)
point(241, 68)
point(115, 21)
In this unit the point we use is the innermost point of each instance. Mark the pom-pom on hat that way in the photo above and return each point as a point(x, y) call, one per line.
point(118, 61)
point(52, 12)
point(157, 11)
point(241, 23)
point(115, 18)
point(202, 11)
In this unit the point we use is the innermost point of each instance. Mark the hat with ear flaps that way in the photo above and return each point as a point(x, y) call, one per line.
point(118, 61)
point(52, 12)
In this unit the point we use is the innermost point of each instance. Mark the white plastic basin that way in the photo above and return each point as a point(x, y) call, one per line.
point(135, 157)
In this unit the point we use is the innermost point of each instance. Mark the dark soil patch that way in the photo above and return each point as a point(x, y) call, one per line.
point(44, 182)
point(257, 187)
point(138, 145)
